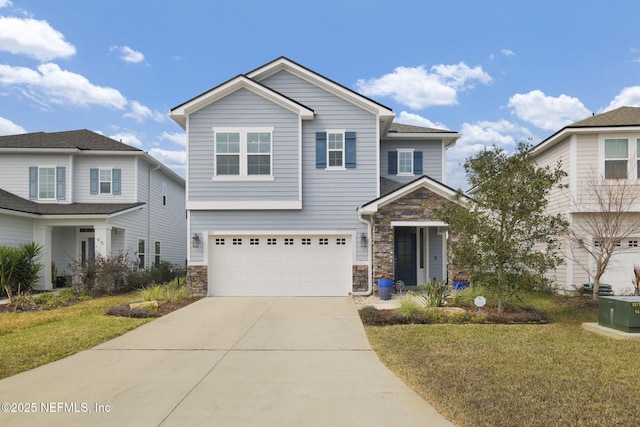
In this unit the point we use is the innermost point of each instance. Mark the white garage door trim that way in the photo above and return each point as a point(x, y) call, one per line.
point(250, 263)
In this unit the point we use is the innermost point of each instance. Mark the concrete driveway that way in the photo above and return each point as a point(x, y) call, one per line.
point(224, 362)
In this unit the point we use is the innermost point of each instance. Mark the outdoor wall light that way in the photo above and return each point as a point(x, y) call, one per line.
point(195, 240)
point(363, 240)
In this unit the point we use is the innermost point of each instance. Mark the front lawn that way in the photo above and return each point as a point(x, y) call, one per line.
point(518, 375)
point(34, 338)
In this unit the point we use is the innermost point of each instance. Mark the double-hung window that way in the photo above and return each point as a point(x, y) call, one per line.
point(46, 183)
point(616, 156)
point(105, 181)
point(335, 149)
point(243, 153)
point(405, 162)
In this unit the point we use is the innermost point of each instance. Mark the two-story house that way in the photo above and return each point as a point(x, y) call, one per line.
point(604, 146)
point(297, 185)
point(79, 194)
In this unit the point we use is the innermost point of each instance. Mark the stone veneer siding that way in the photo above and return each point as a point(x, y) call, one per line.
point(198, 279)
point(417, 206)
point(360, 275)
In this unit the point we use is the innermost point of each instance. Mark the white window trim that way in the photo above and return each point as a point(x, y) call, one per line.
point(632, 155)
point(243, 176)
point(405, 150)
point(344, 149)
point(55, 183)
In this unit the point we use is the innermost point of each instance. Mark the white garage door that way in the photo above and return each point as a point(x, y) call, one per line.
point(619, 272)
point(284, 265)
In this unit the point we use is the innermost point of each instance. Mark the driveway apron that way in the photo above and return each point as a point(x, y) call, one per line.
point(270, 361)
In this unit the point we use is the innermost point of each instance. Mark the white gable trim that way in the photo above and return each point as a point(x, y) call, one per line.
point(423, 182)
point(281, 64)
point(180, 113)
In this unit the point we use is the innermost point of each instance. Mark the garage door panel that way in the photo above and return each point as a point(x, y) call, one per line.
point(280, 265)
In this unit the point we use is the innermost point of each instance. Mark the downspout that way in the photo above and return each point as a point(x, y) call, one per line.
point(369, 290)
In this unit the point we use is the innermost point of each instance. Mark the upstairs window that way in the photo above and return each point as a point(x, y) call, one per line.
point(47, 183)
point(243, 152)
point(105, 181)
point(165, 191)
point(335, 147)
point(405, 162)
point(616, 153)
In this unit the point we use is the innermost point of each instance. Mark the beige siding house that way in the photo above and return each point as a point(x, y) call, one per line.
point(605, 146)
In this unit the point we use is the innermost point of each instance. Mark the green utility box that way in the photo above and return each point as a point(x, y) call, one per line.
point(621, 313)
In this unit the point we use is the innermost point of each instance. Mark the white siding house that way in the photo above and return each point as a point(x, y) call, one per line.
point(78, 194)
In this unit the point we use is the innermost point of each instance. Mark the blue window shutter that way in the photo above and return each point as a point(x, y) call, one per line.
point(321, 150)
point(350, 149)
point(61, 181)
point(117, 182)
point(417, 162)
point(33, 182)
point(93, 181)
point(393, 162)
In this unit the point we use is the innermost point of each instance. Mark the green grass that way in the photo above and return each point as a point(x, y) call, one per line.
point(33, 339)
point(518, 375)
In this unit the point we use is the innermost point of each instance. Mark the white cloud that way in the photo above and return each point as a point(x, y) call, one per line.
point(127, 138)
point(628, 97)
point(175, 160)
point(476, 137)
point(418, 88)
point(7, 127)
point(507, 52)
point(176, 137)
point(140, 113)
point(547, 112)
point(417, 120)
point(52, 85)
point(33, 38)
point(127, 54)
point(5, 3)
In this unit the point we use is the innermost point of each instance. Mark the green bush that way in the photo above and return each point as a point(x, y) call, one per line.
point(434, 293)
point(409, 305)
point(19, 268)
point(168, 292)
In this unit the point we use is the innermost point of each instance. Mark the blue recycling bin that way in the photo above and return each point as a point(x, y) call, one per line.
point(385, 288)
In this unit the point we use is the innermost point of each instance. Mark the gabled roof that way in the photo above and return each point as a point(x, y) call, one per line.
point(180, 112)
point(74, 139)
point(396, 193)
point(402, 131)
point(614, 120)
point(252, 79)
point(11, 202)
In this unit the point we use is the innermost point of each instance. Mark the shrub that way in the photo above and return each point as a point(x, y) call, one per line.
point(409, 305)
point(19, 267)
point(168, 292)
point(103, 275)
point(372, 316)
point(434, 293)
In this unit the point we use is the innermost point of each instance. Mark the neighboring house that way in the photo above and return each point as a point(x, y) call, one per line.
point(297, 185)
point(604, 145)
point(79, 194)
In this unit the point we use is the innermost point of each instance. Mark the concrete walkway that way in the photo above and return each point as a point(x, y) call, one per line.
point(224, 362)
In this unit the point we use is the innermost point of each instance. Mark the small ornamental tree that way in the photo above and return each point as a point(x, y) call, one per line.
point(502, 234)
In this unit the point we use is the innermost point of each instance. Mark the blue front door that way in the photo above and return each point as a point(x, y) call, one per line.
point(404, 244)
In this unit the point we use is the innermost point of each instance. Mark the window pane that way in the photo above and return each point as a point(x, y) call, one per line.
point(335, 158)
point(228, 165)
point(47, 183)
point(616, 148)
point(335, 141)
point(259, 142)
point(227, 142)
point(615, 169)
point(259, 165)
point(105, 188)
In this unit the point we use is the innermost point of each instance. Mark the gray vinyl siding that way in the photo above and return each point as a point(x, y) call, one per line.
point(82, 166)
point(14, 171)
point(431, 158)
point(244, 109)
point(15, 230)
point(435, 255)
point(329, 198)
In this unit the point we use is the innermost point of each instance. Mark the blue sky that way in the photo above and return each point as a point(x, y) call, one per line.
point(498, 72)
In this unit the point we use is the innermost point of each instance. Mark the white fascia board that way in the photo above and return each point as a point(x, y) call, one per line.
point(418, 135)
point(398, 194)
point(18, 213)
point(241, 82)
point(317, 80)
point(564, 133)
point(233, 205)
point(40, 150)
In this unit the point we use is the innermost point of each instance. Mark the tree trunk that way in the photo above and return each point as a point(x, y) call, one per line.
point(596, 288)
